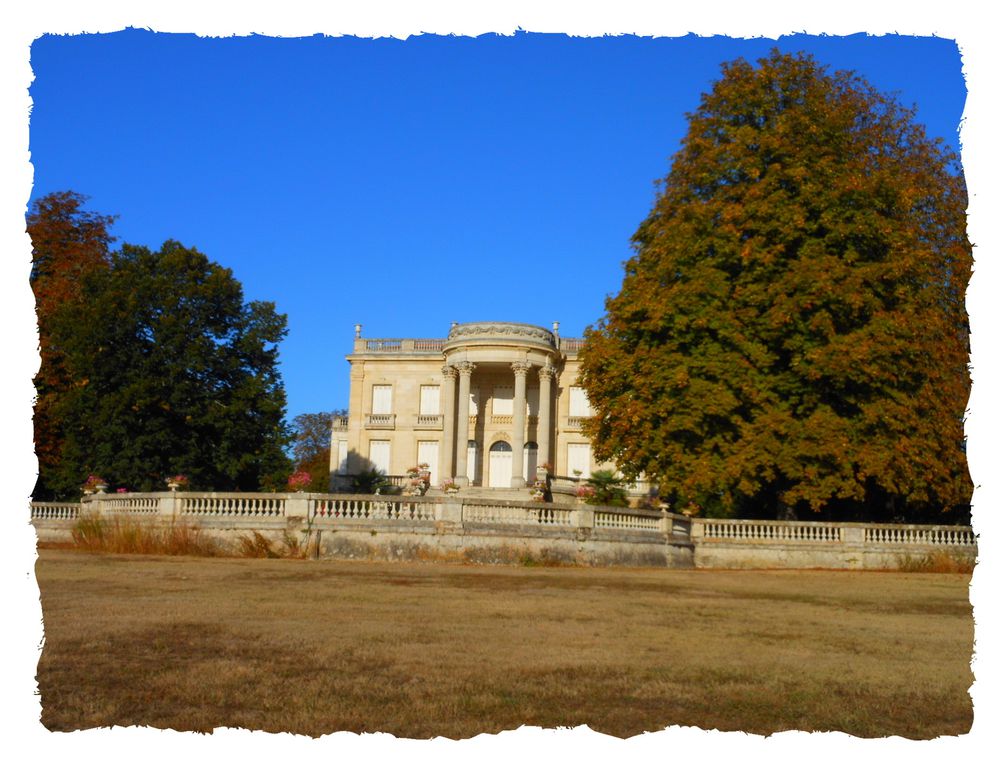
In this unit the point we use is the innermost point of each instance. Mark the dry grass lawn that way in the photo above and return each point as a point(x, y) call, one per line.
point(421, 650)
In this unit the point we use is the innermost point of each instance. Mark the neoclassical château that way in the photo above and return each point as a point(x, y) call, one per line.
point(484, 406)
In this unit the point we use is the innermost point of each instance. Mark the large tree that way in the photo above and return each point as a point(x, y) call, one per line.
point(172, 372)
point(68, 244)
point(791, 333)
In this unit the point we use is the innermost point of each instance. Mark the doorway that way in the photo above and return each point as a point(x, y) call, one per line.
point(500, 465)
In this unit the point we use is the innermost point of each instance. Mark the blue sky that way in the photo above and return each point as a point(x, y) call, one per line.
point(397, 183)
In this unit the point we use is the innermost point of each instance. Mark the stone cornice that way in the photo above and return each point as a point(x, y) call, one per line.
point(502, 331)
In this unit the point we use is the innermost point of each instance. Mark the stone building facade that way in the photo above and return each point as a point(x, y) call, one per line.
point(483, 406)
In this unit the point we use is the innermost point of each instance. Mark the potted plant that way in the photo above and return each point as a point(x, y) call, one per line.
point(176, 482)
point(94, 484)
point(450, 487)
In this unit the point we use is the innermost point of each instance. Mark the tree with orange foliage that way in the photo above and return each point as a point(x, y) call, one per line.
point(68, 244)
point(791, 334)
point(311, 445)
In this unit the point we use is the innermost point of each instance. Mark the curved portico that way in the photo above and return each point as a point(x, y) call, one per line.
point(522, 353)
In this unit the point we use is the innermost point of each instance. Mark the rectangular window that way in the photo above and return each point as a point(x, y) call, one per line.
point(341, 455)
point(578, 457)
point(430, 399)
point(503, 399)
point(381, 399)
point(579, 405)
point(474, 403)
point(380, 455)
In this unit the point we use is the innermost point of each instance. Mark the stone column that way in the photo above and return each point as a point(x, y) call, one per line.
point(448, 406)
point(465, 370)
point(520, 368)
point(544, 435)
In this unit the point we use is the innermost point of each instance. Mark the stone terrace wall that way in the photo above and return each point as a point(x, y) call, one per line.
point(488, 531)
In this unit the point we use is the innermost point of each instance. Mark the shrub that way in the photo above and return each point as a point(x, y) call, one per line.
point(608, 489)
point(123, 535)
point(937, 562)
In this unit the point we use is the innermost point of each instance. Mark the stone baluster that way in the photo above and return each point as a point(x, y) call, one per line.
point(520, 368)
point(544, 434)
point(448, 406)
point(465, 370)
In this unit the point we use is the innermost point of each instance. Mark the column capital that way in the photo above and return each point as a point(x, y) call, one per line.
point(465, 368)
point(520, 368)
point(547, 371)
point(449, 371)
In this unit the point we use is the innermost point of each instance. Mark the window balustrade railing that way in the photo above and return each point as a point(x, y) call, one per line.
point(430, 421)
point(379, 421)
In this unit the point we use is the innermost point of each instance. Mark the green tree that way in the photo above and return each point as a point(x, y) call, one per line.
point(172, 373)
point(68, 243)
point(312, 443)
point(791, 333)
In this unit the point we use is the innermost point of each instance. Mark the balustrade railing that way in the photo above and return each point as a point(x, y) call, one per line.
point(130, 505)
point(55, 511)
point(571, 344)
point(233, 506)
point(382, 421)
point(400, 345)
point(779, 531)
point(431, 421)
point(384, 346)
point(431, 344)
point(611, 519)
point(371, 508)
point(942, 536)
point(406, 509)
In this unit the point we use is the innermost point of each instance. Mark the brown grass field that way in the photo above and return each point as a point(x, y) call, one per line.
point(421, 650)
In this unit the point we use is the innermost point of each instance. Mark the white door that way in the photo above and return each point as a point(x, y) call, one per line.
point(500, 465)
point(530, 460)
point(428, 451)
